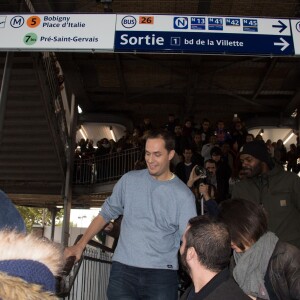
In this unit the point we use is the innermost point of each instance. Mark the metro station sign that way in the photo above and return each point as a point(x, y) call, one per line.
point(295, 26)
point(204, 34)
point(58, 32)
point(150, 33)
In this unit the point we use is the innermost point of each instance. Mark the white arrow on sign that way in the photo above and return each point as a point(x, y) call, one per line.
point(283, 43)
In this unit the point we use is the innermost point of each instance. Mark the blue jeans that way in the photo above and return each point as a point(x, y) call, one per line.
point(131, 283)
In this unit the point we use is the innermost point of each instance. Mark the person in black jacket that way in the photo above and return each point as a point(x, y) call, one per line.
point(223, 173)
point(205, 255)
point(267, 183)
point(263, 266)
point(184, 168)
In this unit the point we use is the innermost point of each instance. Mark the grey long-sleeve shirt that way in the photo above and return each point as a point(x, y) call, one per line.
point(155, 215)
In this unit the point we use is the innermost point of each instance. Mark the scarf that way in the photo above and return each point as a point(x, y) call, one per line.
point(251, 266)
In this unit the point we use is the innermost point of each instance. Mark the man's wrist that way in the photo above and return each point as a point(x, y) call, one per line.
point(81, 244)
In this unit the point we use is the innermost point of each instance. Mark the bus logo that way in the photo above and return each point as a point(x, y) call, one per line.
point(128, 22)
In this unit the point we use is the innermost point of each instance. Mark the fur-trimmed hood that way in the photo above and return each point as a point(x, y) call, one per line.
point(14, 288)
point(17, 251)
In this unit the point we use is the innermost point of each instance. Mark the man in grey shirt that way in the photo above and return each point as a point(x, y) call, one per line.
point(156, 207)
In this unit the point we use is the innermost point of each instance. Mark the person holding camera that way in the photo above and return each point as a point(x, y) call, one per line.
point(204, 190)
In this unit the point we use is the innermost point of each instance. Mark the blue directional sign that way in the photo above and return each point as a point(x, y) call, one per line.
point(205, 34)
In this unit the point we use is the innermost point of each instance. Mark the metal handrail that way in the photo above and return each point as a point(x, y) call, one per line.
point(88, 278)
point(105, 168)
point(56, 97)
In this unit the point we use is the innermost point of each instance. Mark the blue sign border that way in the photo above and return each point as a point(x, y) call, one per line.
point(203, 42)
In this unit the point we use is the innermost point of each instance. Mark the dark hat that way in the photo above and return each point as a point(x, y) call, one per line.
point(257, 149)
point(10, 217)
point(216, 151)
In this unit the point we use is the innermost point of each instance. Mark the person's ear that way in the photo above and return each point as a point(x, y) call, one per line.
point(171, 154)
point(191, 252)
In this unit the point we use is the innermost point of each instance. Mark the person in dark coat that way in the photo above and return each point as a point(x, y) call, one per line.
point(10, 218)
point(184, 168)
point(223, 173)
point(263, 266)
point(267, 183)
point(205, 255)
point(28, 265)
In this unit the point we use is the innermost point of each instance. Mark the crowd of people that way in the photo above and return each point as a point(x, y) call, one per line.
point(245, 247)
point(199, 139)
point(214, 148)
point(257, 216)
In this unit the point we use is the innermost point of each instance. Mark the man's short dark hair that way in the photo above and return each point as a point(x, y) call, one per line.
point(211, 241)
point(246, 221)
point(211, 161)
point(205, 120)
point(216, 151)
point(189, 148)
point(167, 136)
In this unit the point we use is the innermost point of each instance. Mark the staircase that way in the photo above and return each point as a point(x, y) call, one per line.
point(32, 156)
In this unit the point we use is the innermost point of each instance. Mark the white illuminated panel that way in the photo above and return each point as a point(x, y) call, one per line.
point(94, 32)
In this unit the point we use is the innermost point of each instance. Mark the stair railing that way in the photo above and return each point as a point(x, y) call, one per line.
point(88, 278)
point(60, 107)
point(104, 168)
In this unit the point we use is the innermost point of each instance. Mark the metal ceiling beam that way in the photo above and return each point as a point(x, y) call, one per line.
point(150, 90)
point(73, 79)
point(42, 6)
point(244, 99)
point(263, 80)
point(192, 80)
point(121, 76)
point(204, 7)
point(152, 62)
point(198, 91)
point(293, 104)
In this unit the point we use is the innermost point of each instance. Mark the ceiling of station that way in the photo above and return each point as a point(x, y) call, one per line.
point(153, 85)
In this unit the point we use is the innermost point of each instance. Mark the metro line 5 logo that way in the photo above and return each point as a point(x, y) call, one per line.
point(181, 23)
point(128, 21)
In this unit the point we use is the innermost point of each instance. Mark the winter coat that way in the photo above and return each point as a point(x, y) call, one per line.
point(14, 288)
point(28, 266)
point(283, 273)
point(279, 192)
point(222, 286)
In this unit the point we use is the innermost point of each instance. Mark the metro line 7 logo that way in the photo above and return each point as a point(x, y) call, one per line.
point(181, 23)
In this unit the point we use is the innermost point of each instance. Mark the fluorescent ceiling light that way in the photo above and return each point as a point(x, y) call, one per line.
point(294, 114)
point(82, 133)
point(288, 138)
point(112, 133)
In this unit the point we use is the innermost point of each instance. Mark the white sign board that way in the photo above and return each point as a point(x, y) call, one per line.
point(203, 34)
point(83, 32)
point(295, 25)
point(208, 24)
